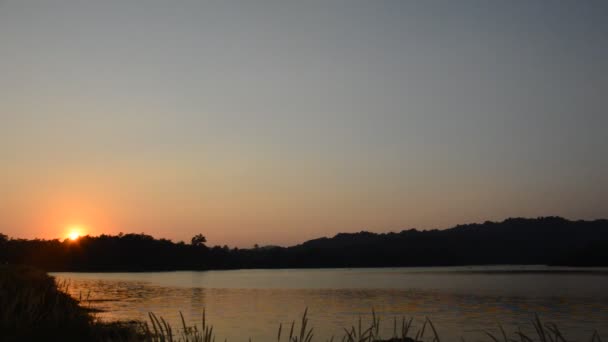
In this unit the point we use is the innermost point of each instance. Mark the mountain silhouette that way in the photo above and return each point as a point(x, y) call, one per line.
point(545, 240)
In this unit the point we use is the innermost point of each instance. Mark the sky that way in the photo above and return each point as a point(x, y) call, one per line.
point(274, 122)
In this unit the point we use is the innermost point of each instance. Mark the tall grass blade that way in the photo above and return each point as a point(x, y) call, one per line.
point(436, 338)
point(491, 336)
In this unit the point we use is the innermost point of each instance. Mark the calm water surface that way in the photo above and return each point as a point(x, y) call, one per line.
point(461, 301)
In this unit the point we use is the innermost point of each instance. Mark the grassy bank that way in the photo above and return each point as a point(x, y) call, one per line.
point(33, 307)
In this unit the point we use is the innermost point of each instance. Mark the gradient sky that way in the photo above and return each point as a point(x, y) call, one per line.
point(273, 122)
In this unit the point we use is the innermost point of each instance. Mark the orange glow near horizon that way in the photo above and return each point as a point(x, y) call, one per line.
point(75, 232)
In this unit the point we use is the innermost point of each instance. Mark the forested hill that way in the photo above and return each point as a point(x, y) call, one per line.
point(548, 240)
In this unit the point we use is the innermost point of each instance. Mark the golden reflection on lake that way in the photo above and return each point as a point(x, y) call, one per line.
point(252, 303)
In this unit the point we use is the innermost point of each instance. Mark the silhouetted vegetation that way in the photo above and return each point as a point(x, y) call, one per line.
point(548, 240)
point(34, 308)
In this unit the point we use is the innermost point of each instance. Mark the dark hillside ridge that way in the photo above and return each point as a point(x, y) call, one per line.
point(545, 240)
point(548, 240)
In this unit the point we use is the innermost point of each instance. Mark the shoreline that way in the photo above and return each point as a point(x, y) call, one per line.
point(510, 269)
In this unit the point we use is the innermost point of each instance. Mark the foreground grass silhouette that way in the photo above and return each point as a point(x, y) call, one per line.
point(33, 307)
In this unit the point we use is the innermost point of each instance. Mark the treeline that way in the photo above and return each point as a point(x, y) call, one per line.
point(547, 240)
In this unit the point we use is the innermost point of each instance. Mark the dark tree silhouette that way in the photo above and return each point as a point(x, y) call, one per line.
point(198, 240)
point(547, 240)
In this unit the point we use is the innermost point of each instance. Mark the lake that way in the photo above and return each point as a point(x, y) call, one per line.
point(461, 301)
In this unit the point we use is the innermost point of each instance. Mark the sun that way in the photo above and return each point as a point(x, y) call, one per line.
point(74, 235)
point(74, 232)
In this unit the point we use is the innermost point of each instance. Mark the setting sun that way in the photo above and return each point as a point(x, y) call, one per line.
point(74, 233)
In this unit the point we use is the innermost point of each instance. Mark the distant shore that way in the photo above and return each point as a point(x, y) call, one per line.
point(516, 241)
point(508, 269)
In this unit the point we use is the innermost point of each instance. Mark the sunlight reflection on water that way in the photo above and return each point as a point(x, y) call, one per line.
point(252, 303)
